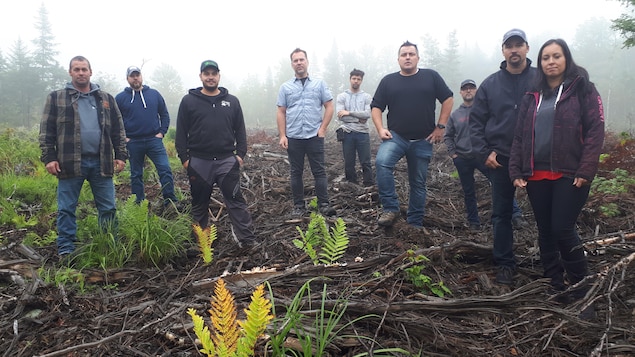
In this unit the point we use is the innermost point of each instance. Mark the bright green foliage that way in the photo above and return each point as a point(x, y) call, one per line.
point(63, 276)
point(229, 336)
point(321, 245)
point(620, 183)
point(154, 238)
point(26, 201)
point(415, 273)
point(312, 238)
point(334, 245)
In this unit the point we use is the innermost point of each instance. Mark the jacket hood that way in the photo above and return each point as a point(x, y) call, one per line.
point(93, 87)
point(197, 92)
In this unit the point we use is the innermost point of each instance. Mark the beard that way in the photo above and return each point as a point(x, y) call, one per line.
point(210, 88)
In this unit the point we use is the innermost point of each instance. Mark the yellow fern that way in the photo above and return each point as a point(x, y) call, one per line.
point(223, 315)
point(205, 238)
point(231, 337)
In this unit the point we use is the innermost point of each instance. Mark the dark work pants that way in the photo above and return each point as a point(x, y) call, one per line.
point(313, 149)
point(225, 173)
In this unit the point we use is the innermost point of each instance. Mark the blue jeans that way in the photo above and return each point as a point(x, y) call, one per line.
point(313, 149)
point(465, 167)
point(152, 147)
point(557, 205)
point(418, 154)
point(68, 191)
point(356, 142)
point(503, 192)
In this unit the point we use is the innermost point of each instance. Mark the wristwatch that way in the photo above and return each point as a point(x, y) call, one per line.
point(440, 126)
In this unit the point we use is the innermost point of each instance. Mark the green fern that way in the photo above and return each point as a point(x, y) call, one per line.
point(321, 245)
point(313, 237)
point(335, 244)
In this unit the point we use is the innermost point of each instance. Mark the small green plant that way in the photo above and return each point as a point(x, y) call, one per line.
point(230, 336)
point(415, 273)
point(321, 245)
point(64, 276)
point(620, 183)
point(315, 336)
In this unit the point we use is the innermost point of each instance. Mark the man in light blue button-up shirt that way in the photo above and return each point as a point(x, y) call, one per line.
point(302, 127)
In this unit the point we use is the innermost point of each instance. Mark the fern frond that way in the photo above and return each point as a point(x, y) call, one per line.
point(203, 334)
point(335, 244)
point(223, 316)
point(258, 316)
point(205, 238)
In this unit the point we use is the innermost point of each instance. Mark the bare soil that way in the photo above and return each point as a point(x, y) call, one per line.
point(141, 311)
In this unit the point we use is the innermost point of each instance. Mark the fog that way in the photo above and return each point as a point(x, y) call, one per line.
point(247, 37)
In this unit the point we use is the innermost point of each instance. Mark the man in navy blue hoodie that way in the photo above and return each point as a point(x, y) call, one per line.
point(211, 141)
point(146, 119)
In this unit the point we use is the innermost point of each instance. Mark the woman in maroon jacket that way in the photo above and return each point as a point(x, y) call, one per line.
point(555, 155)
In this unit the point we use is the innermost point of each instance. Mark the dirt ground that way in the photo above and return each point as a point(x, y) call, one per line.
point(141, 311)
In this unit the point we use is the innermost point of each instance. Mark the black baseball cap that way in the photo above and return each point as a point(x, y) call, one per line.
point(209, 63)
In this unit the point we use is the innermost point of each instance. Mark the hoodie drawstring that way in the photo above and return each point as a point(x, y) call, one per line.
point(142, 98)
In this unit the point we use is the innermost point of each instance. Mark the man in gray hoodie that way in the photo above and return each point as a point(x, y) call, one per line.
point(457, 139)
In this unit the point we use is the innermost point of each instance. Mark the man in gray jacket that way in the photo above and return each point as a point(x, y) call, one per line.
point(458, 142)
point(353, 112)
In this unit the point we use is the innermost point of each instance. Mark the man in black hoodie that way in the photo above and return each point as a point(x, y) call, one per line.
point(211, 142)
point(492, 123)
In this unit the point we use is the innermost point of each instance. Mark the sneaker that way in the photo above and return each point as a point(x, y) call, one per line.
point(298, 211)
point(505, 275)
point(518, 222)
point(387, 219)
point(327, 210)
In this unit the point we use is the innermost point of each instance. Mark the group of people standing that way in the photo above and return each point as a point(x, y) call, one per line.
point(525, 127)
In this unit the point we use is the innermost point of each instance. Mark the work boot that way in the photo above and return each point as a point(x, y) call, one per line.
point(387, 219)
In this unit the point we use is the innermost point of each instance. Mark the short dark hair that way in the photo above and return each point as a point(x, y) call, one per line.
point(408, 44)
point(297, 50)
point(79, 59)
point(357, 72)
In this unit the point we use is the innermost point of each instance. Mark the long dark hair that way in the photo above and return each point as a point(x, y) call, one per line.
point(572, 70)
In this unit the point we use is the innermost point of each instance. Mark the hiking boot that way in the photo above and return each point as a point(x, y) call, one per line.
point(474, 227)
point(518, 223)
point(327, 210)
point(387, 219)
point(505, 275)
point(298, 211)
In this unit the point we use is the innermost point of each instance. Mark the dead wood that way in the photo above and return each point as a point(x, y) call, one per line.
point(141, 311)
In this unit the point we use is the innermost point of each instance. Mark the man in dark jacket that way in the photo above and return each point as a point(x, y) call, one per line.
point(211, 141)
point(492, 123)
point(82, 138)
point(146, 119)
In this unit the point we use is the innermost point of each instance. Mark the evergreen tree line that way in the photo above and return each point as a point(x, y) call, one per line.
point(29, 73)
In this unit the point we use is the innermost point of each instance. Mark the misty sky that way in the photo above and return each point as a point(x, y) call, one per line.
point(246, 37)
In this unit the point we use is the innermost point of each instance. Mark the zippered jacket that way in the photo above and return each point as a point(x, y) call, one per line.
point(578, 133)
